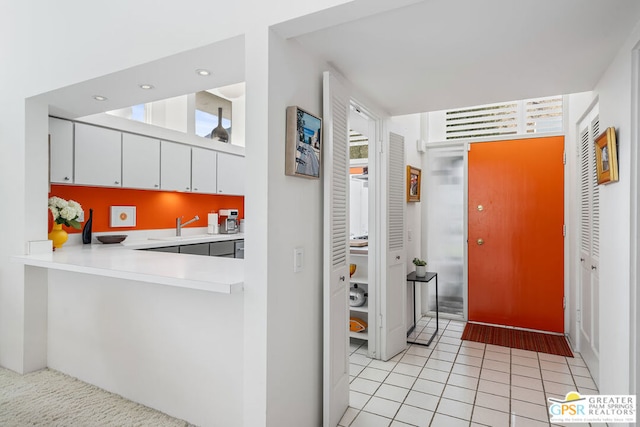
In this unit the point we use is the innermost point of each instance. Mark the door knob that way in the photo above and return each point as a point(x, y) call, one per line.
point(480, 208)
point(480, 242)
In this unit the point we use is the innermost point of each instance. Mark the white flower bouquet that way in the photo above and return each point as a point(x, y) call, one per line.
point(65, 212)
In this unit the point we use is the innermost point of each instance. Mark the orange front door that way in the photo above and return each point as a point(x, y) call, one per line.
point(516, 244)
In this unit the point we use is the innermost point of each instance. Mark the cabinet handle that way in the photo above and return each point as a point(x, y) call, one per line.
point(156, 185)
point(342, 278)
point(398, 257)
point(195, 189)
point(593, 267)
point(117, 182)
point(66, 178)
point(187, 188)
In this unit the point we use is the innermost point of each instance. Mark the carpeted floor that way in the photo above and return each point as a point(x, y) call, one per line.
point(50, 398)
point(515, 338)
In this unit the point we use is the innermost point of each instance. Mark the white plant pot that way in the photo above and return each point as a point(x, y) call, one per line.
point(421, 270)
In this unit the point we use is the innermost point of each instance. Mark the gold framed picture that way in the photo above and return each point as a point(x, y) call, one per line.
point(413, 184)
point(607, 157)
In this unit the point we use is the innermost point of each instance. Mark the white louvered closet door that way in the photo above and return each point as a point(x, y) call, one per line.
point(393, 293)
point(588, 304)
point(336, 250)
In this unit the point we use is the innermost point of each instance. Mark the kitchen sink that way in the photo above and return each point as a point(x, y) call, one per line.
point(179, 238)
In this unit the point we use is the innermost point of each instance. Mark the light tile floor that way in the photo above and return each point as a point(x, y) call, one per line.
point(459, 383)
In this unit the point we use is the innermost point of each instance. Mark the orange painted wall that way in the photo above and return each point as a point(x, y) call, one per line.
point(154, 209)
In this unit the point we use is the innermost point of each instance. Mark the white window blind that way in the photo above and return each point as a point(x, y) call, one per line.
point(539, 116)
point(396, 197)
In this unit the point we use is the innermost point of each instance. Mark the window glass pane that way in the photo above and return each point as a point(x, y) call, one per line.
point(168, 113)
point(445, 210)
point(207, 107)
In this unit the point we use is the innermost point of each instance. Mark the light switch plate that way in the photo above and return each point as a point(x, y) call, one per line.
point(298, 260)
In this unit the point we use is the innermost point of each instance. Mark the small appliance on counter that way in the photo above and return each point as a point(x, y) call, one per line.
point(212, 224)
point(228, 221)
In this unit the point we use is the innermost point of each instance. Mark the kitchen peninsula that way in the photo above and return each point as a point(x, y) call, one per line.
point(161, 329)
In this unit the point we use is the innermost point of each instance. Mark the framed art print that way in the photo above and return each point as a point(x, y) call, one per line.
point(413, 184)
point(606, 157)
point(303, 143)
point(122, 216)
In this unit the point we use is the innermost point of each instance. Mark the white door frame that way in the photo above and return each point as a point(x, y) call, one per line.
point(634, 297)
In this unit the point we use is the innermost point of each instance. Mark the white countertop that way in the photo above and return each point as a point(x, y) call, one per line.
point(208, 273)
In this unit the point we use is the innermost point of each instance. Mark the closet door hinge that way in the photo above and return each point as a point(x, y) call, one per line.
point(564, 157)
point(564, 230)
point(380, 315)
point(564, 302)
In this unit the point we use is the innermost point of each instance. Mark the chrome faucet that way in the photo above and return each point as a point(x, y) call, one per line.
point(180, 224)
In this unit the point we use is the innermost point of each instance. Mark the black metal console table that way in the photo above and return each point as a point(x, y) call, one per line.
point(411, 277)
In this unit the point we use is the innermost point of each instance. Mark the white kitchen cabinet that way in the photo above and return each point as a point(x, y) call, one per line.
point(140, 162)
point(231, 173)
point(203, 170)
point(175, 166)
point(61, 151)
point(98, 156)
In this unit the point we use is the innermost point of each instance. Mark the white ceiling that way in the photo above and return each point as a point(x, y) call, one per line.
point(408, 56)
point(439, 54)
point(171, 76)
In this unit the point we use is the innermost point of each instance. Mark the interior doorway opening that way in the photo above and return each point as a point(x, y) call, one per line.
point(363, 280)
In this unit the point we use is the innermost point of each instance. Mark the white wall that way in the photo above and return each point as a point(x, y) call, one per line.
point(409, 127)
point(294, 321)
point(174, 349)
point(614, 91)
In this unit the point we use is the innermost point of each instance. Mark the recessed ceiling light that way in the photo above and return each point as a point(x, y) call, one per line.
point(146, 86)
point(99, 98)
point(203, 72)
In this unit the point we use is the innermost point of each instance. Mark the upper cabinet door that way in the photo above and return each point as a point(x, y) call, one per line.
point(140, 162)
point(203, 170)
point(231, 174)
point(61, 151)
point(175, 166)
point(98, 156)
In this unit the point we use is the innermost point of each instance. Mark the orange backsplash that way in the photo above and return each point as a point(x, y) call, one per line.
point(154, 209)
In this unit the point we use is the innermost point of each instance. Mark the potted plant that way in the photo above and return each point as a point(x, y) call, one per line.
point(421, 267)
